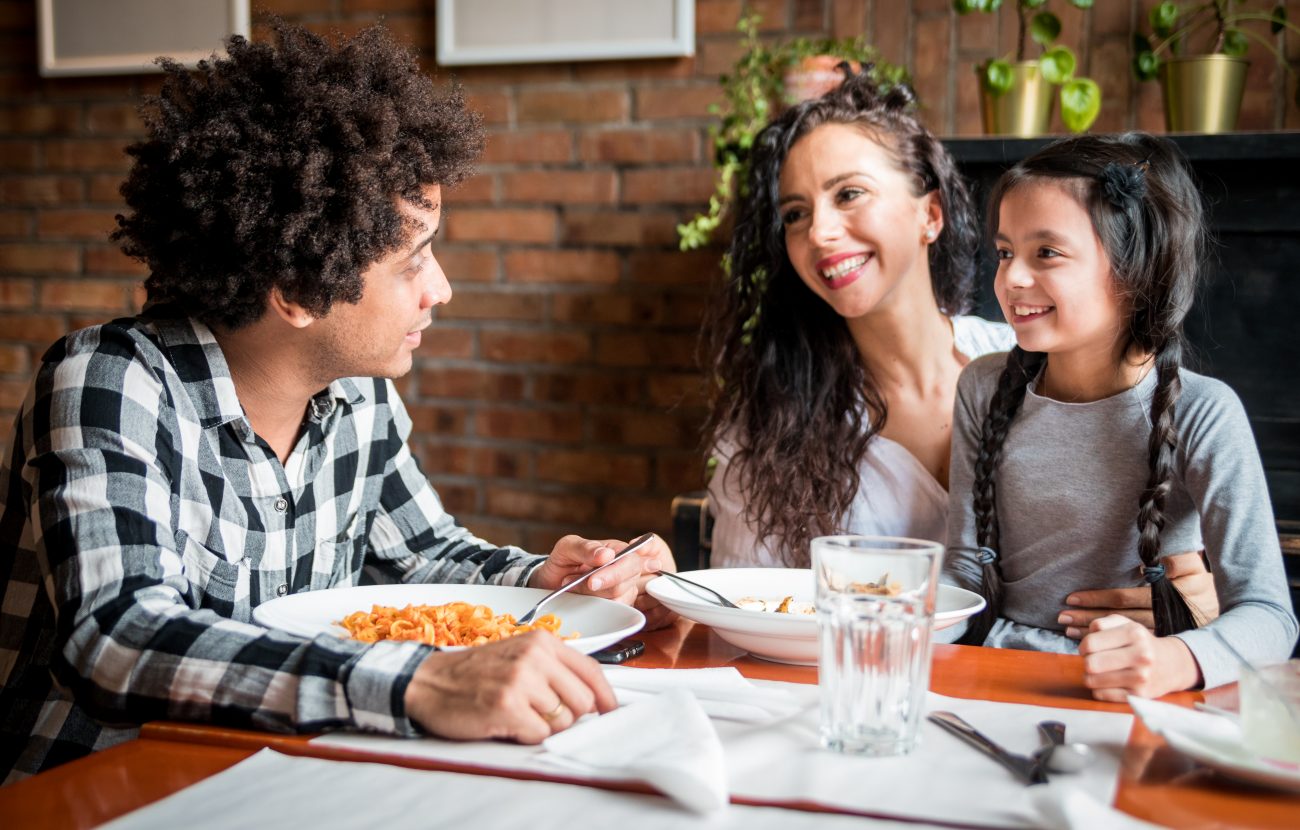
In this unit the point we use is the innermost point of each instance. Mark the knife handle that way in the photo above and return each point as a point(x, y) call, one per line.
point(1024, 767)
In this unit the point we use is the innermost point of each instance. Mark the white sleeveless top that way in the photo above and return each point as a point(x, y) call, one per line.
point(897, 495)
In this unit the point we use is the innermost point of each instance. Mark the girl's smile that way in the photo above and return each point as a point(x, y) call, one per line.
point(1026, 313)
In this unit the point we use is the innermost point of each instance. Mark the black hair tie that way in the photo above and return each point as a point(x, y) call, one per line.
point(1123, 184)
point(1153, 573)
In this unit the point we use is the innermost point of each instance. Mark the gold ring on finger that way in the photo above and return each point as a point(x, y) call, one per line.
point(555, 713)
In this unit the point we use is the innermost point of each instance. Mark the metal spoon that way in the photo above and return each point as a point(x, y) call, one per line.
point(531, 613)
point(1059, 755)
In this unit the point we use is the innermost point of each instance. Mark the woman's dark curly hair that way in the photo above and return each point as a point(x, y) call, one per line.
point(281, 166)
point(792, 395)
point(1147, 212)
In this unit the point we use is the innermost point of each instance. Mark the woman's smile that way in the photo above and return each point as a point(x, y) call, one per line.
point(842, 269)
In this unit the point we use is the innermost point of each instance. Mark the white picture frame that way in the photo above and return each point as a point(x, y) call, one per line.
point(124, 37)
point(471, 32)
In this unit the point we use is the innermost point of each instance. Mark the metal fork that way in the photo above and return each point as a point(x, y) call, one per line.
point(531, 613)
point(719, 597)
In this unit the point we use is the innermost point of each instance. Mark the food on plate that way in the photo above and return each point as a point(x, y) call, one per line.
point(452, 624)
point(786, 605)
point(881, 587)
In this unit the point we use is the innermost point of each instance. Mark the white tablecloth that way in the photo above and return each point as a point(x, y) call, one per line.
point(943, 780)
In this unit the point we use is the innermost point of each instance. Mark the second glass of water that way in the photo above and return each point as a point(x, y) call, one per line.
point(875, 599)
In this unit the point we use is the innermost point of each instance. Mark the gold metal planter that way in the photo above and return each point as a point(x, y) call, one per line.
point(1203, 93)
point(1025, 110)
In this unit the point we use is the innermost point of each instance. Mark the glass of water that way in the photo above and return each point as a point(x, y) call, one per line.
point(875, 599)
point(1270, 711)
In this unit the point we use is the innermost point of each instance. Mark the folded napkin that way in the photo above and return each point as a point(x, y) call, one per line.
point(1066, 807)
point(722, 692)
point(666, 741)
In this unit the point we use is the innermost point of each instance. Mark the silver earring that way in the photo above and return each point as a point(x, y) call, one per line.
point(929, 236)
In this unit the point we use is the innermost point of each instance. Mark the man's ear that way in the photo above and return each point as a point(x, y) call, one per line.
point(289, 311)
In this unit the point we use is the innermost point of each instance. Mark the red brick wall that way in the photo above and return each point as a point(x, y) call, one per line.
point(557, 391)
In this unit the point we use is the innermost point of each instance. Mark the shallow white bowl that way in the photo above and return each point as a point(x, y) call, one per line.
point(599, 622)
point(782, 638)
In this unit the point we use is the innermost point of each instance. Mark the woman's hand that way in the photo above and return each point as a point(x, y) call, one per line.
point(1190, 578)
point(1122, 657)
point(623, 581)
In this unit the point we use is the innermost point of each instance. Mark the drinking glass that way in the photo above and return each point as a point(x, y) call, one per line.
point(875, 600)
point(1270, 711)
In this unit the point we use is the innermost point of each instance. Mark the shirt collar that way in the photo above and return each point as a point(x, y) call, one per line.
point(202, 367)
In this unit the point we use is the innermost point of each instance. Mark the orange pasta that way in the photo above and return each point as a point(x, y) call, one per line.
point(453, 624)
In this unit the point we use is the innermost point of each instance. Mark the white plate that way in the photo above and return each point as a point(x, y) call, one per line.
point(1233, 760)
point(1215, 741)
point(599, 622)
point(782, 638)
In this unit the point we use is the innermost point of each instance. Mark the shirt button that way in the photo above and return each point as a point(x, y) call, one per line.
point(281, 504)
point(282, 590)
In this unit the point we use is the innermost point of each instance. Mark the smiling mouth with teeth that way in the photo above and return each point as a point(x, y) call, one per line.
point(1030, 310)
point(843, 267)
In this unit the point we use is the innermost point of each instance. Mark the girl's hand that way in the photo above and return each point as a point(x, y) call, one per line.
point(1122, 657)
point(1189, 575)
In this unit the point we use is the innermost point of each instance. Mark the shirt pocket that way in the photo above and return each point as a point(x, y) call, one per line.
point(215, 582)
point(339, 558)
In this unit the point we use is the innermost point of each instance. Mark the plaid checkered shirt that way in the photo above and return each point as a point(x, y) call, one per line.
point(144, 521)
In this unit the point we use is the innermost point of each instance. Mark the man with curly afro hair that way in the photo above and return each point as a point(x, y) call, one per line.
point(241, 439)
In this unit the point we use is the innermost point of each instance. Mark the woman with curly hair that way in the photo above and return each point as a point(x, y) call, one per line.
point(241, 440)
point(838, 338)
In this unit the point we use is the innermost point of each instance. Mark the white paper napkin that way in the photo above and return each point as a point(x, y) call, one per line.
point(780, 760)
point(665, 740)
point(274, 791)
point(1065, 807)
point(722, 692)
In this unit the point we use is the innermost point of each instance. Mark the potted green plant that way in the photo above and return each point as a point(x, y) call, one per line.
point(1016, 95)
point(764, 80)
point(1198, 51)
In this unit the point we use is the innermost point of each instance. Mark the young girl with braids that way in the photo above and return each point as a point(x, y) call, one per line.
point(839, 336)
point(1088, 452)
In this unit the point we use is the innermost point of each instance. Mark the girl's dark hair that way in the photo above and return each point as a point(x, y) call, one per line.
point(791, 392)
point(281, 166)
point(1147, 213)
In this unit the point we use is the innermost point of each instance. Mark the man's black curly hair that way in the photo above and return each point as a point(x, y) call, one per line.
point(281, 165)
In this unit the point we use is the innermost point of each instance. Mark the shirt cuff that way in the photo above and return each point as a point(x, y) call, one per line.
point(521, 571)
point(376, 686)
point(1217, 666)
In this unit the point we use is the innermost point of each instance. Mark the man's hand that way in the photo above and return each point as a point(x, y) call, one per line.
point(1189, 575)
point(622, 582)
point(1121, 657)
point(524, 688)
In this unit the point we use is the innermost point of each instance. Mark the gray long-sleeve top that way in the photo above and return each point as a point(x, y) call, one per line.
point(1068, 488)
